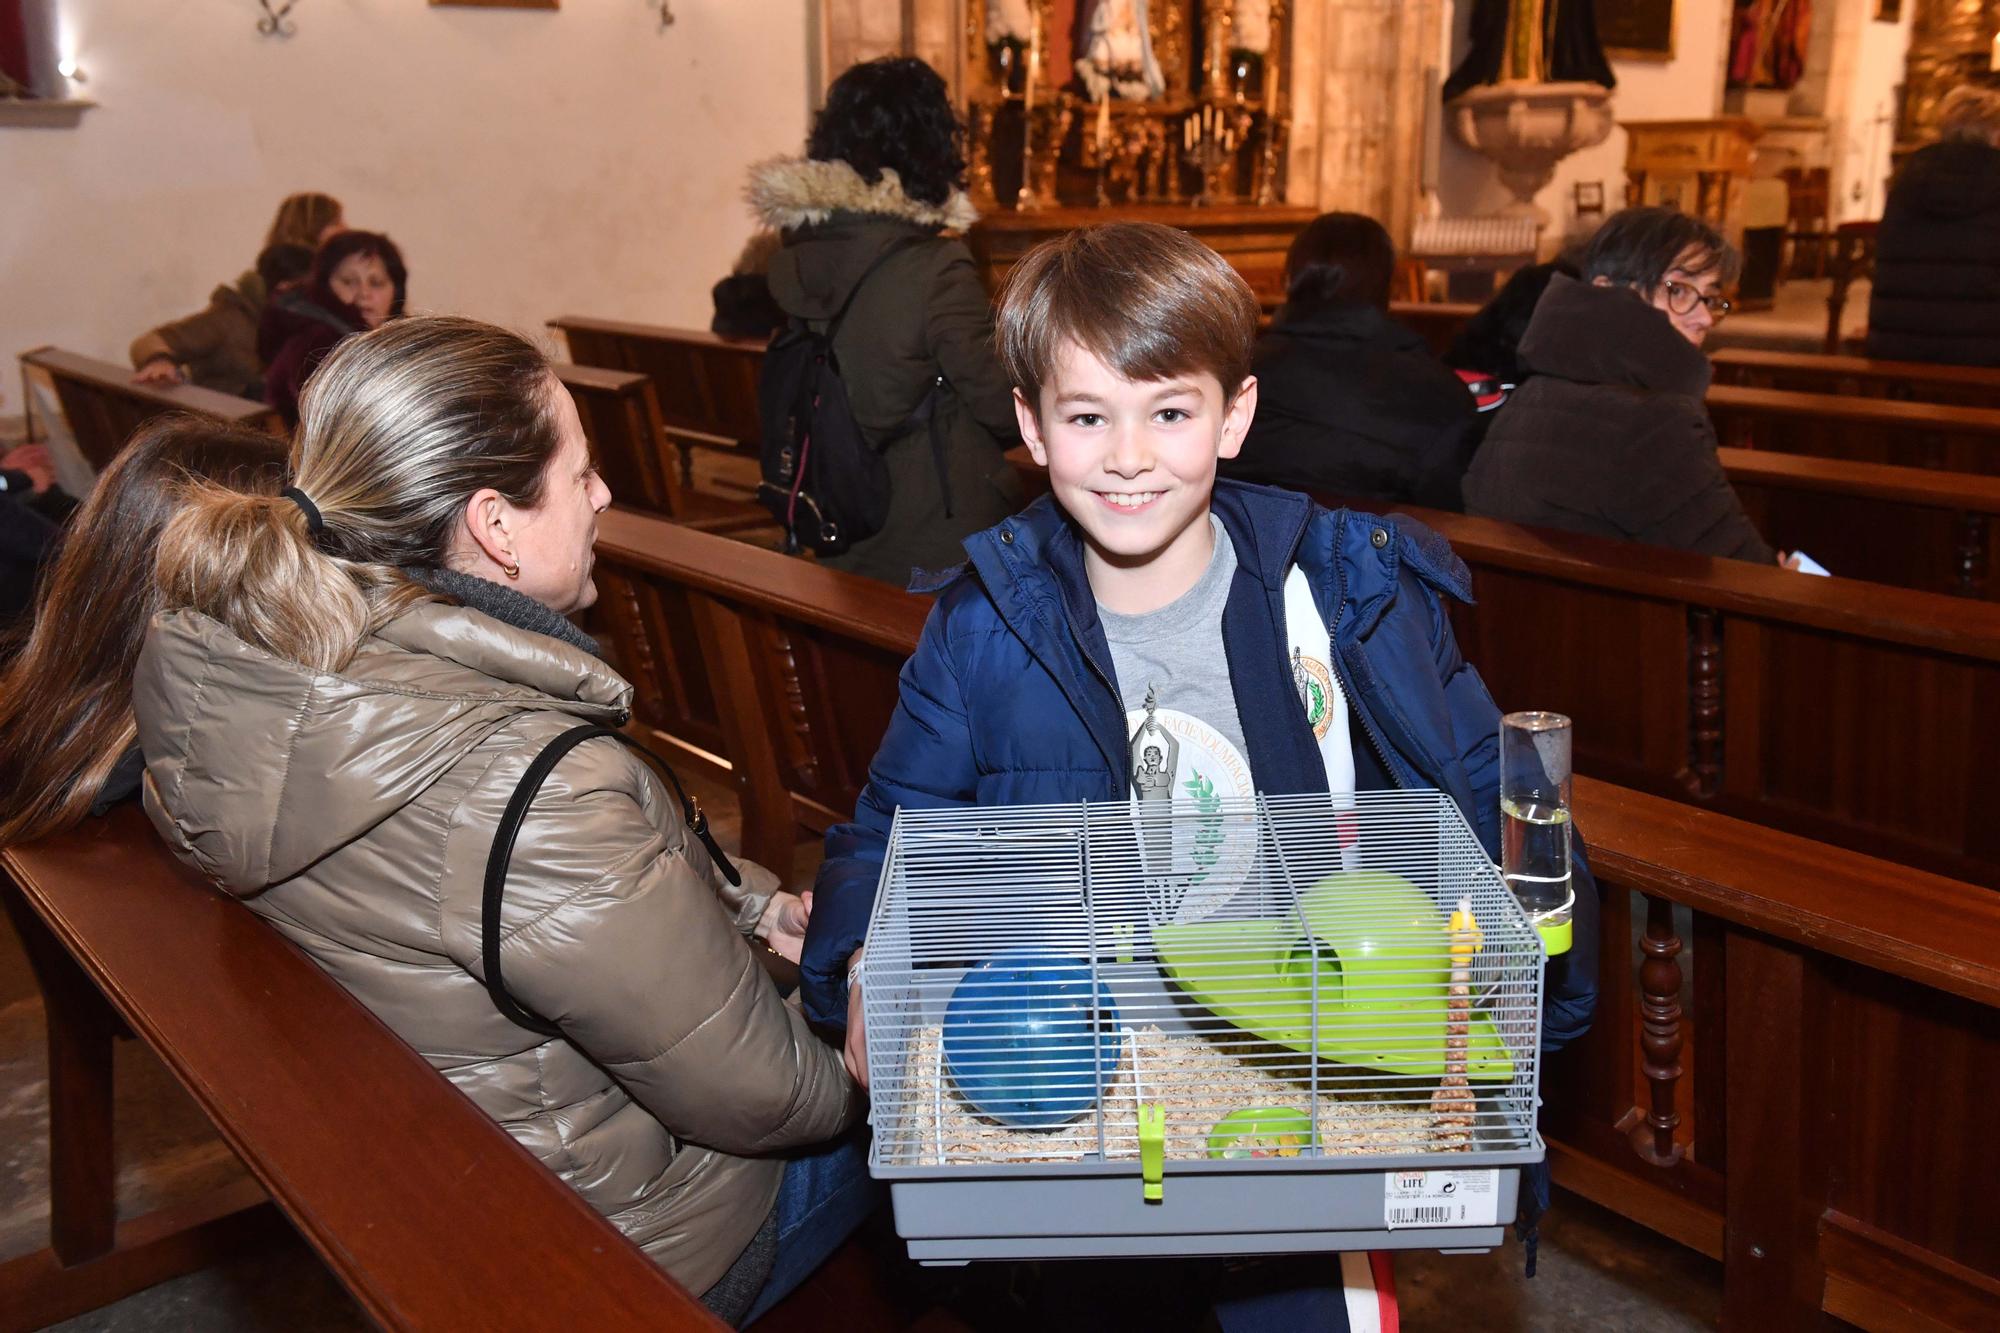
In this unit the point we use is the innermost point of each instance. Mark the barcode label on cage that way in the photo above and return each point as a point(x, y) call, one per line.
point(1441, 1199)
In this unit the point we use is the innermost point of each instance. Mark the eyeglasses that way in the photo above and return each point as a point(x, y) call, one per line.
point(1682, 299)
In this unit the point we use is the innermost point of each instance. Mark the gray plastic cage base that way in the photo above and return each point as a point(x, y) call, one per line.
point(1454, 1240)
point(1210, 1210)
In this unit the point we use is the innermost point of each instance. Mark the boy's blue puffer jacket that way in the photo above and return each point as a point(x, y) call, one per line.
point(1009, 700)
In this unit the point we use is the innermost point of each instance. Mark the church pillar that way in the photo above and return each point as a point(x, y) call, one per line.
point(1362, 80)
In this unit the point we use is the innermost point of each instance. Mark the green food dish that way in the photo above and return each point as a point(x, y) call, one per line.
point(1261, 1131)
point(1378, 946)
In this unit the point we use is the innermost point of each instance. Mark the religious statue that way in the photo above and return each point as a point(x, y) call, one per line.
point(1531, 41)
point(1250, 26)
point(1115, 53)
point(1008, 21)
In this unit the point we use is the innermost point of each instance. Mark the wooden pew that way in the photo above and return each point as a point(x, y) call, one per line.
point(1911, 527)
point(797, 762)
point(1861, 715)
point(103, 406)
point(425, 1209)
point(1814, 1118)
point(1845, 711)
point(639, 462)
point(1438, 321)
point(1788, 1071)
point(1858, 376)
point(707, 386)
point(1867, 430)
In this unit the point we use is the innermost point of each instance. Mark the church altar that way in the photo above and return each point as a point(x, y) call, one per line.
point(1080, 111)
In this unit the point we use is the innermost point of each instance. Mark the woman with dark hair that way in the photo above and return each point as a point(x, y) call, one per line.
point(66, 731)
point(216, 348)
point(338, 705)
point(861, 216)
point(1609, 435)
point(357, 282)
point(1349, 402)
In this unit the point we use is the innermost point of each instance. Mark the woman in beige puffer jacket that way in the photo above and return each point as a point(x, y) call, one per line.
point(334, 711)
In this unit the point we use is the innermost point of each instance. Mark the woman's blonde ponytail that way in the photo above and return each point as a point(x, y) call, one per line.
point(250, 562)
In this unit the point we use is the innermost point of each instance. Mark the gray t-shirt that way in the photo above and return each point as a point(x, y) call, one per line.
point(1173, 678)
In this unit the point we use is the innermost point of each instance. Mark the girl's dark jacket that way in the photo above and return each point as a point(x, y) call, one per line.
point(921, 315)
point(1010, 700)
point(1609, 436)
point(1351, 403)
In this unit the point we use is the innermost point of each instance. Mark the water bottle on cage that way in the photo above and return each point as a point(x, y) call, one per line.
point(1535, 822)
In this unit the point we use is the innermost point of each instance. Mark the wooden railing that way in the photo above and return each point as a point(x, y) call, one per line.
point(103, 405)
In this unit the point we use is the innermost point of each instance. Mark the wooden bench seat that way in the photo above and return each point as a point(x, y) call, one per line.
point(1858, 376)
point(706, 385)
point(103, 406)
point(1813, 1115)
point(639, 461)
point(425, 1209)
point(1867, 430)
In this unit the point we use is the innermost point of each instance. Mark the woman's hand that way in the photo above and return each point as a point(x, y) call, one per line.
point(783, 925)
point(161, 371)
point(32, 459)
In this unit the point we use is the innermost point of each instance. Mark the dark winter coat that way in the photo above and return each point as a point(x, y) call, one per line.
point(920, 315)
point(1609, 435)
point(1936, 293)
point(1010, 699)
point(1352, 403)
point(297, 333)
point(217, 346)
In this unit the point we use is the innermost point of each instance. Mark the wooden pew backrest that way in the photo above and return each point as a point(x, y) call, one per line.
point(103, 406)
point(706, 385)
point(1858, 376)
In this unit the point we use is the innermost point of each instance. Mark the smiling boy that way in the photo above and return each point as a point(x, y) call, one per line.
point(1146, 616)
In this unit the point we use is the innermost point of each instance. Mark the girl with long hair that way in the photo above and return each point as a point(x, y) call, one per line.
point(66, 730)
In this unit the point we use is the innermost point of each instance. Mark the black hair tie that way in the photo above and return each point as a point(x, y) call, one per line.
point(314, 523)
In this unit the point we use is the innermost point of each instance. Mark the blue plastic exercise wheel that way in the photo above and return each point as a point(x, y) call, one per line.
point(1025, 1039)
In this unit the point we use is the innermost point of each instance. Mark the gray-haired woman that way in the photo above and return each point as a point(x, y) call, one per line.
point(347, 686)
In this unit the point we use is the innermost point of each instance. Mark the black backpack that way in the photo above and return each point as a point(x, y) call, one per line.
point(821, 479)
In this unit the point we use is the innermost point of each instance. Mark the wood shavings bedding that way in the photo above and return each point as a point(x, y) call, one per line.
point(1197, 1081)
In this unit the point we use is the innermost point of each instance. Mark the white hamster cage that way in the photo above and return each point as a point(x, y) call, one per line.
point(1179, 1028)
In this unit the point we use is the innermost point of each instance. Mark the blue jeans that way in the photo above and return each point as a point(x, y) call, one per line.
point(825, 1196)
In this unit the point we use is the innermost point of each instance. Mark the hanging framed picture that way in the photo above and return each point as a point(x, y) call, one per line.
point(1637, 29)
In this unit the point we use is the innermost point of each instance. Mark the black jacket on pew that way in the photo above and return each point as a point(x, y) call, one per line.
point(1609, 436)
point(1936, 294)
point(1353, 404)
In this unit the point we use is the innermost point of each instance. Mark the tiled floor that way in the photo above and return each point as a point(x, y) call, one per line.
point(1597, 1270)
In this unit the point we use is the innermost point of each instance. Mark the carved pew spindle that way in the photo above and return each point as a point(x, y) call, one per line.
point(1704, 701)
point(1661, 1037)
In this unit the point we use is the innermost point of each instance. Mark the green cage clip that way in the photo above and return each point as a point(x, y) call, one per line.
point(1153, 1151)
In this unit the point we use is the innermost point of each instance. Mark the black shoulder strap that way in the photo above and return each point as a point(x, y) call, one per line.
point(502, 855)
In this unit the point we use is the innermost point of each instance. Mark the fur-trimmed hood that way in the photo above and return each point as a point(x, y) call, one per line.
point(792, 192)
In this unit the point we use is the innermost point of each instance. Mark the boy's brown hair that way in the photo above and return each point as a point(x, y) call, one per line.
point(1148, 301)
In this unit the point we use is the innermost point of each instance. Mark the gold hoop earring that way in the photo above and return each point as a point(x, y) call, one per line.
point(511, 571)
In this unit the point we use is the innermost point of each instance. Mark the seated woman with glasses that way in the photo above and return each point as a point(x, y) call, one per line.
point(1609, 436)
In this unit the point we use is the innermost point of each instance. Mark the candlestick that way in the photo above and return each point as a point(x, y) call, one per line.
point(1104, 120)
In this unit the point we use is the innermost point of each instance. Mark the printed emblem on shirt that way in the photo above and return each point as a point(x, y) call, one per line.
point(1314, 683)
point(1183, 771)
